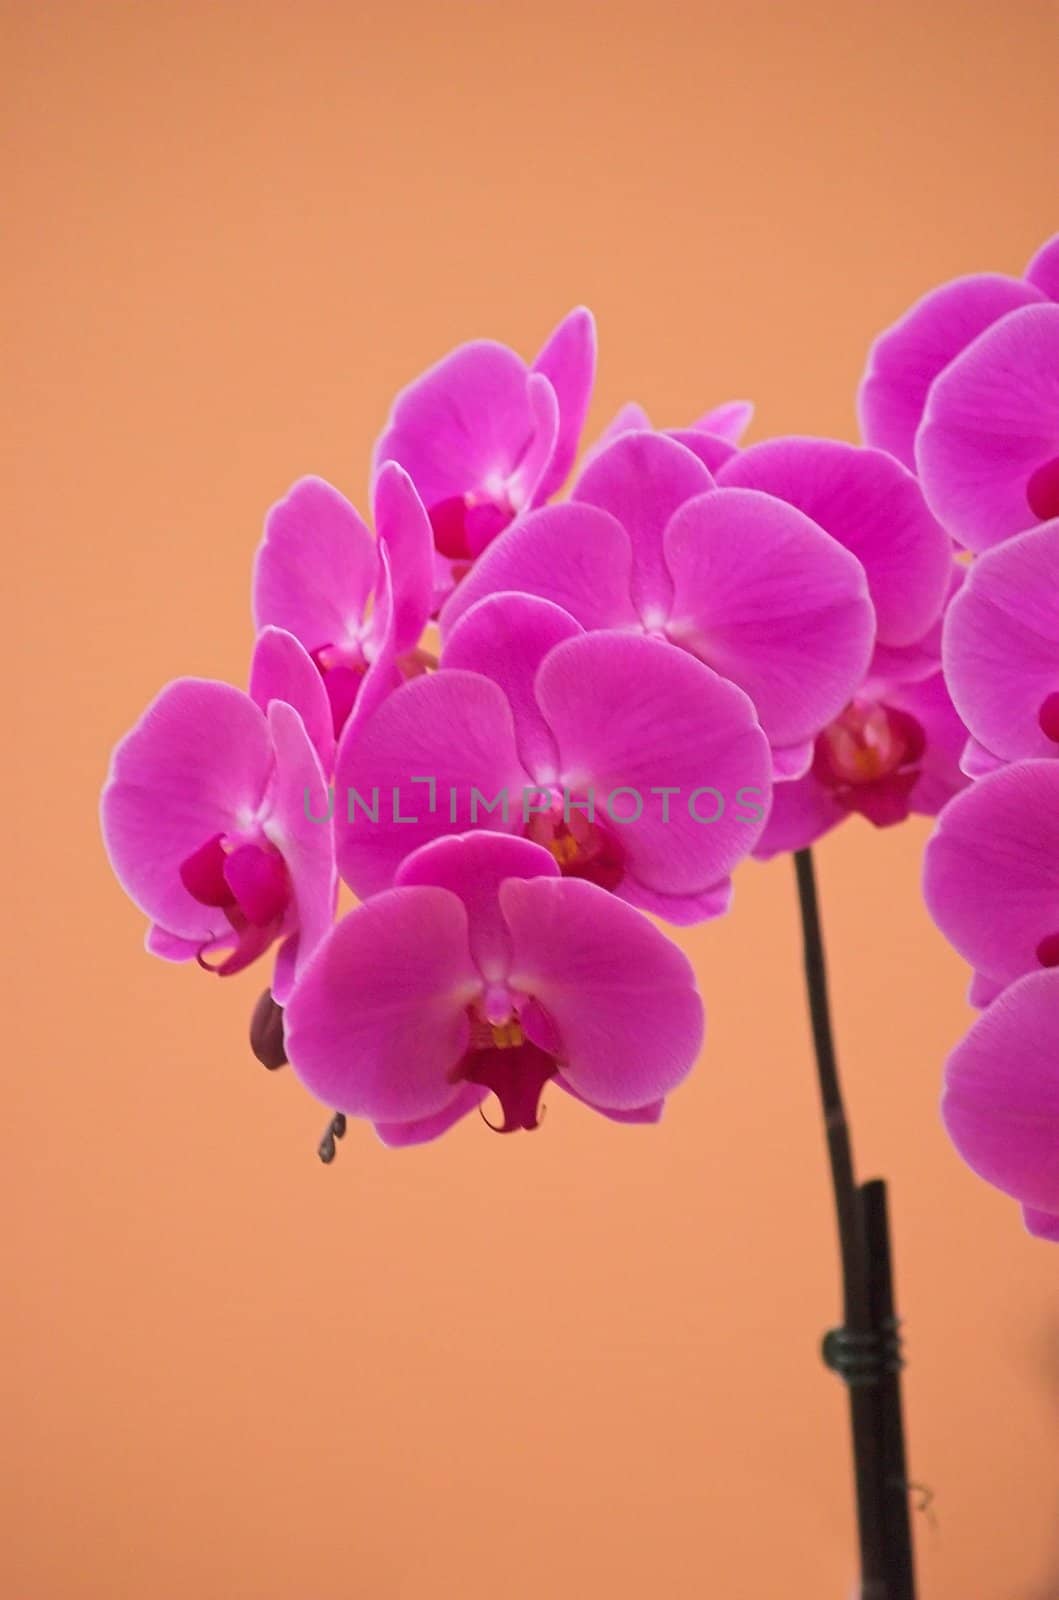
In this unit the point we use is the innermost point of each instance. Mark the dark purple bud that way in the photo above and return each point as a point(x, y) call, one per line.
point(266, 1033)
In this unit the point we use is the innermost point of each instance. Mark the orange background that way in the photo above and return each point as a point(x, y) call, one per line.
point(582, 1363)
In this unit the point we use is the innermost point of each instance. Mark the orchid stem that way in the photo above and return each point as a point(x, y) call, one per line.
point(866, 1343)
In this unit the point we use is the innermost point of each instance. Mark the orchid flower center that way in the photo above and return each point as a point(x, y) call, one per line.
point(500, 1058)
point(464, 524)
point(1042, 490)
point(582, 847)
point(1048, 950)
point(869, 757)
point(247, 879)
point(342, 667)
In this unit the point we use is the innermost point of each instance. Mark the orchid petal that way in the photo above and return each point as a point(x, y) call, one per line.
point(452, 731)
point(730, 420)
point(195, 766)
point(1043, 270)
point(378, 1021)
point(872, 505)
point(399, 1135)
point(405, 535)
point(576, 556)
point(711, 449)
point(1041, 1224)
point(532, 466)
point(506, 637)
point(991, 429)
point(647, 1115)
point(383, 675)
point(621, 995)
point(315, 568)
point(631, 713)
point(905, 360)
point(1001, 644)
point(801, 813)
point(641, 479)
point(169, 946)
point(473, 866)
point(1001, 1100)
point(991, 875)
point(281, 669)
point(460, 421)
point(982, 991)
point(300, 825)
point(770, 601)
point(568, 361)
point(682, 910)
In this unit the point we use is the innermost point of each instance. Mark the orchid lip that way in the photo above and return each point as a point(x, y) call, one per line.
point(1042, 490)
point(1048, 716)
point(247, 880)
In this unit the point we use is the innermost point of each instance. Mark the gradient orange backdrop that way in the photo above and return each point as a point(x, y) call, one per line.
point(578, 1364)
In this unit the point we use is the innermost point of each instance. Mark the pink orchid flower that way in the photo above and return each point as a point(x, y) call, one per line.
point(907, 357)
point(894, 751)
point(987, 451)
point(206, 819)
point(637, 766)
point(740, 579)
point(484, 970)
point(894, 747)
point(991, 875)
point(1001, 651)
point(714, 438)
point(484, 436)
point(1001, 1099)
point(358, 605)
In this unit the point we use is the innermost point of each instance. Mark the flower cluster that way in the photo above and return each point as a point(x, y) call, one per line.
point(513, 720)
point(965, 387)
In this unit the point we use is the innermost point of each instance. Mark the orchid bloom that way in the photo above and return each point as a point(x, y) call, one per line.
point(893, 751)
point(747, 583)
point(714, 437)
point(894, 748)
point(1001, 1099)
point(206, 819)
point(358, 605)
point(987, 451)
point(1001, 650)
point(484, 970)
point(991, 874)
point(637, 766)
point(909, 355)
point(484, 436)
